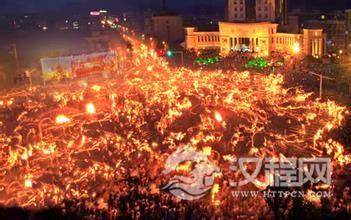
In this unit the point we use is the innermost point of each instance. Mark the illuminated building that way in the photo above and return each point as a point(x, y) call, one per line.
point(199, 40)
point(257, 32)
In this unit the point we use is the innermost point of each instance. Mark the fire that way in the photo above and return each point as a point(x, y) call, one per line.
point(90, 108)
point(62, 119)
point(28, 183)
point(96, 88)
point(218, 117)
point(148, 115)
point(207, 151)
point(215, 190)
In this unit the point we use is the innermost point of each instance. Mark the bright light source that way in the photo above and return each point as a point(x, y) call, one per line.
point(169, 53)
point(90, 108)
point(95, 13)
point(62, 119)
point(218, 117)
point(28, 183)
point(96, 88)
point(297, 48)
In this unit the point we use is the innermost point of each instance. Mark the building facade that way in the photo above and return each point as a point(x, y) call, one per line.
point(166, 27)
point(336, 31)
point(253, 26)
point(201, 40)
point(348, 23)
point(257, 10)
point(260, 38)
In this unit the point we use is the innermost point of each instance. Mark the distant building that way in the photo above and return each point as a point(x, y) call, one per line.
point(261, 38)
point(336, 31)
point(166, 27)
point(259, 27)
point(29, 21)
point(200, 40)
point(348, 23)
point(257, 10)
point(336, 25)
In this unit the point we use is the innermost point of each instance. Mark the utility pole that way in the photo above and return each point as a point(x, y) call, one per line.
point(15, 54)
point(321, 77)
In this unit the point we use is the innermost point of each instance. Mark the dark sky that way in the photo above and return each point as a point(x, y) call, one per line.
point(40, 5)
point(56, 5)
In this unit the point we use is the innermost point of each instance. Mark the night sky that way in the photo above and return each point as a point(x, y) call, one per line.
point(11, 6)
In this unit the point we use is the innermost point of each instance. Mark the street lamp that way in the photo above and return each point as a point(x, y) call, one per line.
point(171, 54)
point(321, 78)
point(297, 48)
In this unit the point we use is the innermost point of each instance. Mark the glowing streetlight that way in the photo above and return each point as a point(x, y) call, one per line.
point(297, 48)
point(169, 53)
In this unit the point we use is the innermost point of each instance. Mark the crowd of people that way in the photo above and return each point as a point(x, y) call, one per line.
point(97, 150)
